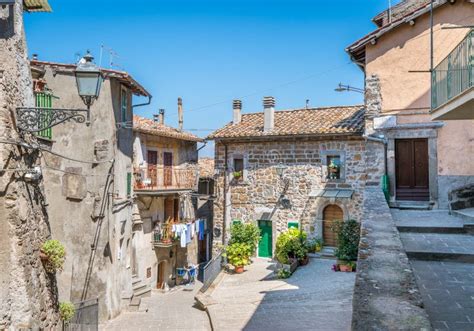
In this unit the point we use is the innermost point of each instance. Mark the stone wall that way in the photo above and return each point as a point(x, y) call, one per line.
point(462, 197)
point(261, 189)
point(386, 296)
point(28, 295)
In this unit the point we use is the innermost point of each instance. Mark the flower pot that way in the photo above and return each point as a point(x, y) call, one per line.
point(345, 268)
point(43, 256)
point(304, 261)
point(239, 269)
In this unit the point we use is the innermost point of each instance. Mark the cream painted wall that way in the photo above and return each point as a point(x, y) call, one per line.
point(407, 48)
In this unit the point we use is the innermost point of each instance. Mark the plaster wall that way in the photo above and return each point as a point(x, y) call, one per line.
point(76, 192)
point(305, 172)
point(407, 94)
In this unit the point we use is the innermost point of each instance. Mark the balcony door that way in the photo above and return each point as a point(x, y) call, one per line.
point(411, 158)
point(167, 169)
point(152, 160)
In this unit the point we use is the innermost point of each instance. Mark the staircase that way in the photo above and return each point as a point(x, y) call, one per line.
point(140, 290)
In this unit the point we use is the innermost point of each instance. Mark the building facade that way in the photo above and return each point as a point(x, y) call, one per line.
point(165, 183)
point(303, 168)
point(88, 172)
point(426, 159)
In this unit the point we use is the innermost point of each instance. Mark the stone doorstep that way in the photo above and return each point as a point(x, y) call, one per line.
point(467, 215)
point(441, 257)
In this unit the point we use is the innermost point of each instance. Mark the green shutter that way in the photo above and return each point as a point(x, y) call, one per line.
point(44, 100)
point(236, 221)
point(293, 225)
point(129, 183)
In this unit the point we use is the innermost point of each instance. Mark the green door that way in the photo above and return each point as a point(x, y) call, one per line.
point(265, 244)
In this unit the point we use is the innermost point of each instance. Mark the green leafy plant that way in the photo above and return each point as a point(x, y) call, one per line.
point(237, 174)
point(291, 244)
point(238, 254)
point(247, 233)
point(66, 311)
point(314, 245)
point(348, 237)
point(55, 255)
point(283, 274)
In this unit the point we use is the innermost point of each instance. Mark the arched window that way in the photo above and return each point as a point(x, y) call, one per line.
point(331, 213)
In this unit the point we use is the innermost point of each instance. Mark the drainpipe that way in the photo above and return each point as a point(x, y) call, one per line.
point(143, 104)
point(225, 195)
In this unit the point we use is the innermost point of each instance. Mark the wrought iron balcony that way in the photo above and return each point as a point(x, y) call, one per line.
point(157, 178)
point(453, 81)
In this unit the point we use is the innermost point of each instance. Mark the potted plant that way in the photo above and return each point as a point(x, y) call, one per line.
point(66, 311)
point(238, 255)
point(348, 237)
point(346, 266)
point(245, 233)
point(53, 255)
point(291, 247)
point(237, 175)
point(283, 274)
point(333, 170)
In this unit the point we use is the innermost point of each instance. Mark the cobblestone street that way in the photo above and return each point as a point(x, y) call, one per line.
point(172, 311)
point(314, 298)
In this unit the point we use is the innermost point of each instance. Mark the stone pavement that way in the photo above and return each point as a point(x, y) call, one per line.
point(313, 298)
point(447, 287)
point(171, 311)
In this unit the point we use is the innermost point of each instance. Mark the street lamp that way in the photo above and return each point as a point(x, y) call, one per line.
point(344, 88)
point(280, 168)
point(88, 81)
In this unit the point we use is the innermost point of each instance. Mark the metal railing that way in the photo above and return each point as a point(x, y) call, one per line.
point(208, 272)
point(454, 75)
point(157, 177)
point(86, 317)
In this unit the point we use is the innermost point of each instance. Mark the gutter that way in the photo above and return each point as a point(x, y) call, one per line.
point(145, 103)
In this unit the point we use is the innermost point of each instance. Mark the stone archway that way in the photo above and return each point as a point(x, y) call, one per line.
point(331, 214)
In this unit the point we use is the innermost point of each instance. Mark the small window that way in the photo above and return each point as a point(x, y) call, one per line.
point(334, 166)
point(293, 225)
point(124, 105)
point(238, 165)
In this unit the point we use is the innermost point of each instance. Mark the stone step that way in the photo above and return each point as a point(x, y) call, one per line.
point(144, 292)
point(432, 229)
point(138, 287)
point(413, 206)
point(442, 257)
point(135, 280)
point(134, 304)
point(438, 246)
point(467, 215)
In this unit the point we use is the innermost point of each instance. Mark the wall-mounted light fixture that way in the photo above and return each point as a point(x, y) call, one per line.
point(88, 81)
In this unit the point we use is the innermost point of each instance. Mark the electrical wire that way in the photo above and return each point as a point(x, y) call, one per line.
point(269, 88)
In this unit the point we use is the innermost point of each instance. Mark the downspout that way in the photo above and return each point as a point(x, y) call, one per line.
point(205, 143)
point(143, 104)
point(225, 195)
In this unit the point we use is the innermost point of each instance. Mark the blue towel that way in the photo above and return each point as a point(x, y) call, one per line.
point(201, 229)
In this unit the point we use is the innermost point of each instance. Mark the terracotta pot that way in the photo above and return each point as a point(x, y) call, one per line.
point(239, 269)
point(345, 268)
point(43, 256)
point(304, 261)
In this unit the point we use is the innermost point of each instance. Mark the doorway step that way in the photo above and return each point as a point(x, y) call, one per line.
point(140, 290)
point(325, 253)
point(467, 215)
point(411, 205)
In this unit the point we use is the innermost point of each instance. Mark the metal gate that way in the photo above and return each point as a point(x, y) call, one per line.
point(86, 317)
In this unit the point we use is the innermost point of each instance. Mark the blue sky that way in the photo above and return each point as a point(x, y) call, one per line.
point(211, 51)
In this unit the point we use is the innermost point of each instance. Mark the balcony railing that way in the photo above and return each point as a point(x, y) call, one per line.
point(454, 75)
point(156, 177)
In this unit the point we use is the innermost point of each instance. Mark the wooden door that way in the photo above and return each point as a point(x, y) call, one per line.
point(331, 214)
point(167, 169)
point(412, 174)
point(265, 244)
point(152, 160)
point(161, 275)
point(169, 209)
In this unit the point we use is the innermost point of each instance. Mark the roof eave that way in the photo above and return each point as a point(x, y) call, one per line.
point(358, 134)
point(156, 134)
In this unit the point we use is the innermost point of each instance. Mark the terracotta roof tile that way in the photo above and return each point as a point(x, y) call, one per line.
point(313, 121)
point(146, 125)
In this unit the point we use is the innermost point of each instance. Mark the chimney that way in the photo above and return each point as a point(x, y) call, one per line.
point(237, 107)
point(160, 118)
point(35, 57)
point(269, 113)
point(180, 114)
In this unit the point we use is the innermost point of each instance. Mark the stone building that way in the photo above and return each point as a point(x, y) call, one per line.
point(426, 159)
point(165, 181)
point(301, 167)
point(87, 174)
point(205, 206)
point(28, 295)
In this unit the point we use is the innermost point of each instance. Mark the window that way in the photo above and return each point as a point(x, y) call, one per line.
point(238, 165)
point(334, 166)
point(124, 105)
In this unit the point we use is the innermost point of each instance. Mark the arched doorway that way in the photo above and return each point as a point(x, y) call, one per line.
point(160, 278)
point(330, 214)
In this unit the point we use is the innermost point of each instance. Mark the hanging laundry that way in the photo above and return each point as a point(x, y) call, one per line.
point(188, 233)
point(201, 229)
point(183, 239)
